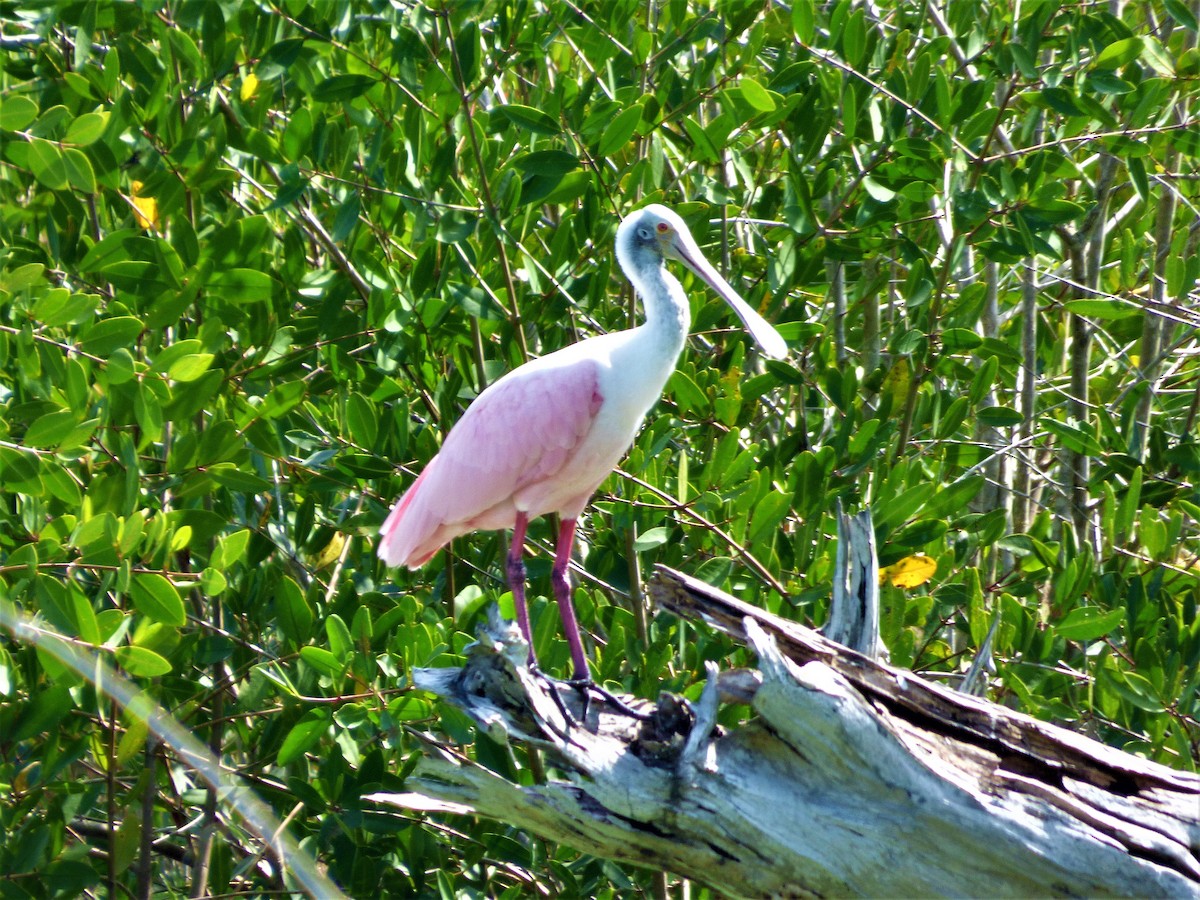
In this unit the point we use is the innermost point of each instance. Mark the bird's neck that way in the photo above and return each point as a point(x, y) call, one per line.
point(668, 316)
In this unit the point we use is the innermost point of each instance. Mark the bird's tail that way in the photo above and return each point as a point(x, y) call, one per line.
point(402, 534)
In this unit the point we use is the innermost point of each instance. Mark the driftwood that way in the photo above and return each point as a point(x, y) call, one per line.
point(852, 778)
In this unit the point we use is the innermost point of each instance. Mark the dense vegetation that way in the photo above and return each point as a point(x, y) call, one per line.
point(256, 257)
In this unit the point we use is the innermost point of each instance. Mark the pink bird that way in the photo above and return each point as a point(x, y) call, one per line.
point(542, 438)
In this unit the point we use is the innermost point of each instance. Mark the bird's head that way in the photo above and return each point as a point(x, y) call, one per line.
point(654, 233)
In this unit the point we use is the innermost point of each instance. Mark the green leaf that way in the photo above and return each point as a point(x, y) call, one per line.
point(1060, 100)
point(854, 37)
point(1136, 689)
point(108, 335)
point(282, 398)
point(1087, 623)
point(919, 533)
point(340, 88)
point(362, 421)
point(768, 514)
point(189, 368)
point(1107, 83)
point(1130, 504)
point(142, 663)
point(1182, 14)
point(228, 475)
point(702, 145)
point(454, 227)
point(86, 129)
point(48, 165)
point(323, 661)
point(112, 248)
point(168, 356)
point(803, 19)
point(648, 540)
point(49, 430)
point(147, 408)
point(292, 611)
point(303, 736)
point(686, 392)
point(619, 131)
point(1046, 214)
point(528, 118)
point(985, 378)
point(1119, 53)
point(230, 550)
point(785, 372)
point(346, 219)
point(1108, 309)
point(85, 617)
point(242, 285)
point(999, 416)
point(569, 188)
point(341, 644)
point(1074, 437)
point(953, 499)
point(1156, 57)
point(547, 162)
point(953, 417)
point(157, 599)
point(289, 192)
point(1025, 546)
point(756, 95)
point(960, 340)
point(61, 307)
point(17, 112)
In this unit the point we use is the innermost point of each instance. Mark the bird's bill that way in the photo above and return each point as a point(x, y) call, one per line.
point(760, 329)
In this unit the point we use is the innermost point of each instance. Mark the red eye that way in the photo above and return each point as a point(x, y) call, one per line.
point(663, 227)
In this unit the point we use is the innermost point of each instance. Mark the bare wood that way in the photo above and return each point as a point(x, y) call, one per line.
point(915, 699)
point(854, 606)
point(852, 778)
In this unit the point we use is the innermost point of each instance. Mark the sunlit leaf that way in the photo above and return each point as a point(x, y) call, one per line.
point(909, 572)
point(303, 735)
point(141, 663)
point(158, 599)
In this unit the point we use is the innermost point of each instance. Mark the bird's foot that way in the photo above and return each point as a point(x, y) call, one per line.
point(587, 687)
point(569, 718)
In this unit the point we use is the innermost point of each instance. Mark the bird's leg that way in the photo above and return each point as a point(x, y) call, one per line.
point(561, 580)
point(562, 592)
point(516, 580)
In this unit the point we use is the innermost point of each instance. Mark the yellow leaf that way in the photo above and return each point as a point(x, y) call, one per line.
point(145, 209)
point(909, 572)
point(332, 551)
point(249, 86)
point(896, 383)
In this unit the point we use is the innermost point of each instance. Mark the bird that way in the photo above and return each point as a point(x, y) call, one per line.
point(542, 438)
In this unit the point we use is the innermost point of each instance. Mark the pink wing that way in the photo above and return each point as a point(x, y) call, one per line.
point(520, 432)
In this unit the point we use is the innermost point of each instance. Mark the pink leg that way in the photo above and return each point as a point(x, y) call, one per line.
point(516, 580)
point(562, 593)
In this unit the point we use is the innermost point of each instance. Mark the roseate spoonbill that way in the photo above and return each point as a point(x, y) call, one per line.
point(542, 438)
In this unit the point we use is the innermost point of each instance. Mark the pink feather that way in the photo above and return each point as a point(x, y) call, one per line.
point(514, 449)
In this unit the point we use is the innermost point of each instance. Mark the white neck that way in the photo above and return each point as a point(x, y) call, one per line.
point(668, 316)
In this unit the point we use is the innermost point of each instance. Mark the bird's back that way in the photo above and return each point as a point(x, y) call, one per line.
point(509, 451)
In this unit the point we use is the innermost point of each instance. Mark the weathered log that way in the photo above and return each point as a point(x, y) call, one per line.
point(851, 778)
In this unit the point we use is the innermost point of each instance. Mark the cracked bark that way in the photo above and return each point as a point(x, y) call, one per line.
point(852, 778)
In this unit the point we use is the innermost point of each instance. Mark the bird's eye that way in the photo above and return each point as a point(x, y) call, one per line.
point(663, 227)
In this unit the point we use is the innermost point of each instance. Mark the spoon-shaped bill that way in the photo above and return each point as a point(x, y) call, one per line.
point(760, 329)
